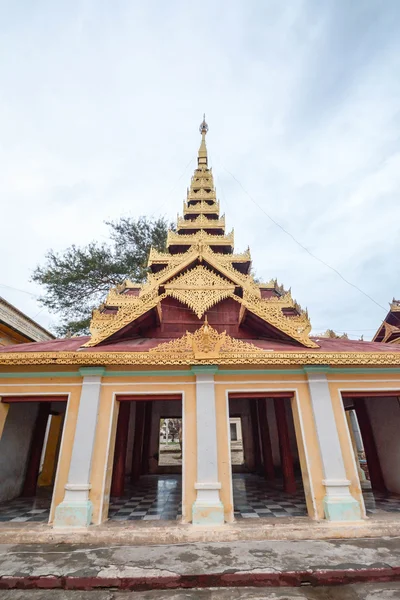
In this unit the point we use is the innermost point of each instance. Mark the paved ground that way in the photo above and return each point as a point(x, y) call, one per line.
point(381, 591)
point(216, 564)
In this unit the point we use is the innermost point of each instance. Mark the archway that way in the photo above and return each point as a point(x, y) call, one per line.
point(268, 483)
point(29, 452)
point(142, 486)
point(373, 420)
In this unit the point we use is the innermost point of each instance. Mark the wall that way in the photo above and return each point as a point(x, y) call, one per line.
point(384, 414)
point(301, 424)
point(14, 448)
point(103, 455)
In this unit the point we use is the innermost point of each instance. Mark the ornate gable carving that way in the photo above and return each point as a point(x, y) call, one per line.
point(199, 289)
point(206, 343)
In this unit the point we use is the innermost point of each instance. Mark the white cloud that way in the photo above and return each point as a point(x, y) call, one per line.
point(99, 108)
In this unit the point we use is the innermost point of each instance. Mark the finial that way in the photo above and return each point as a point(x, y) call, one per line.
point(203, 126)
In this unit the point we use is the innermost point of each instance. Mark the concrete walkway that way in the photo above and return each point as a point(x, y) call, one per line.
point(219, 564)
point(373, 591)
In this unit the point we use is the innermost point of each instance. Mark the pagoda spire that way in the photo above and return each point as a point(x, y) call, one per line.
point(202, 157)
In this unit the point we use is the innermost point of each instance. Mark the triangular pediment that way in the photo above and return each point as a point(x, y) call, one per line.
point(200, 289)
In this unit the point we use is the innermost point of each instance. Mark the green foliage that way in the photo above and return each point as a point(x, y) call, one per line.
point(78, 279)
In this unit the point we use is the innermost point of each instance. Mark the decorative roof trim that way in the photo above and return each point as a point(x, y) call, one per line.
point(22, 324)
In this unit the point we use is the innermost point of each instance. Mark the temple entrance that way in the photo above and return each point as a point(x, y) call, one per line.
point(147, 471)
point(29, 452)
point(373, 420)
point(267, 482)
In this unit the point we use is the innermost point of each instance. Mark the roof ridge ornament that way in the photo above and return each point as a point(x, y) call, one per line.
point(203, 126)
point(202, 158)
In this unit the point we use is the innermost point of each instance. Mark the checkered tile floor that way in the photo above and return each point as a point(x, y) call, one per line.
point(254, 498)
point(377, 501)
point(153, 498)
point(21, 510)
point(159, 497)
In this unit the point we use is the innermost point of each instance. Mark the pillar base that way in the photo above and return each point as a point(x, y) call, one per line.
point(208, 508)
point(208, 514)
point(73, 514)
point(339, 504)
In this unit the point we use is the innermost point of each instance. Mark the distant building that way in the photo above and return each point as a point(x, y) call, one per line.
point(389, 330)
point(17, 328)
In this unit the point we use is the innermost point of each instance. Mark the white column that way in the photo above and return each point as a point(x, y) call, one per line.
point(208, 508)
point(76, 508)
point(339, 504)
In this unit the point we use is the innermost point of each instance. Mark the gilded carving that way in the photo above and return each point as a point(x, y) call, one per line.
point(205, 343)
point(201, 207)
point(201, 221)
point(264, 358)
point(200, 289)
point(174, 239)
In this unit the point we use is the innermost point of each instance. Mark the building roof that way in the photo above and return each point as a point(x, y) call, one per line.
point(77, 344)
point(12, 317)
point(389, 331)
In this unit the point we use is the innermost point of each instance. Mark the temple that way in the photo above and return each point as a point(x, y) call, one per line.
point(389, 330)
point(268, 421)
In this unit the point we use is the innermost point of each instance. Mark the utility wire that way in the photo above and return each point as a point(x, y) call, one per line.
point(173, 188)
point(304, 247)
point(10, 287)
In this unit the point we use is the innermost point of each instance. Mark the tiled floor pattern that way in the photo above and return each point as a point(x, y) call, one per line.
point(21, 510)
point(154, 497)
point(377, 501)
point(253, 498)
point(159, 497)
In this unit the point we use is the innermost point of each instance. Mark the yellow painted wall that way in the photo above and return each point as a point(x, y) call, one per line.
point(103, 454)
point(3, 416)
point(306, 435)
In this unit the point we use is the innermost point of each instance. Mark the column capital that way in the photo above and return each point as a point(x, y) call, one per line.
point(317, 369)
point(204, 369)
point(92, 371)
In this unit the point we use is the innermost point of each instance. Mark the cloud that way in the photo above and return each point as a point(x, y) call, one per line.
point(99, 110)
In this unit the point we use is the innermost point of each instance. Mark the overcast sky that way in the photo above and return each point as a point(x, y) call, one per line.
point(100, 103)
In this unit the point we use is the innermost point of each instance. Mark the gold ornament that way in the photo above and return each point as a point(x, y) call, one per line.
point(200, 289)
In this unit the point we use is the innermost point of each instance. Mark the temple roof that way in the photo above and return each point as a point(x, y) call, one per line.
point(389, 331)
point(141, 344)
point(200, 271)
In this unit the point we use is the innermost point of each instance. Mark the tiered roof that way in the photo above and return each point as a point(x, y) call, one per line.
point(201, 305)
point(199, 271)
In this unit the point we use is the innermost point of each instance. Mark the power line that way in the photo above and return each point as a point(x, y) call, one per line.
point(320, 260)
point(10, 287)
point(173, 188)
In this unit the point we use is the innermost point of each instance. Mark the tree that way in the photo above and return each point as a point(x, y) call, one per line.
point(77, 280)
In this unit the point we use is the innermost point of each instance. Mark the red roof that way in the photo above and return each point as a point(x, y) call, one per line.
point(144, 344)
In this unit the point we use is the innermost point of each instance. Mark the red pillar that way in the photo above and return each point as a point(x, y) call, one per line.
point(269, 471)
point(146, 437)
point(371, 453)
point(256, 437)
point(138, 441)
point(35, 451)
point(121, 442)
point(289, 482)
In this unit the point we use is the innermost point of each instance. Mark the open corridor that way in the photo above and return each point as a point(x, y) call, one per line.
point(159, 497)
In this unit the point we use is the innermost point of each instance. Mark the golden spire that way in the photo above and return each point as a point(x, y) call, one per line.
point(202, 159)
